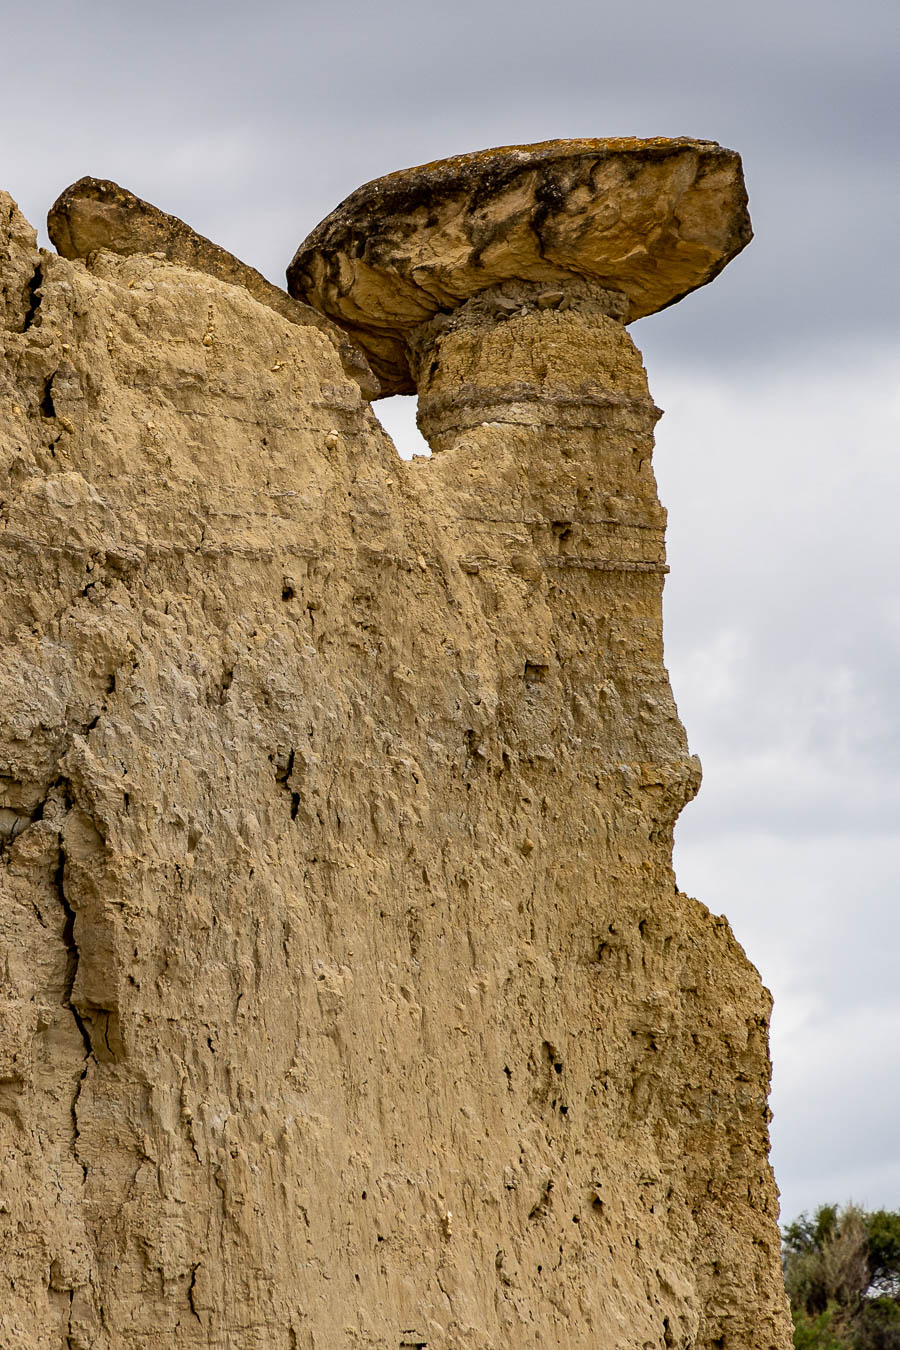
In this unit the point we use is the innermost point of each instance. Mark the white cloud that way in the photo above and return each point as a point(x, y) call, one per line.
point(783, 642)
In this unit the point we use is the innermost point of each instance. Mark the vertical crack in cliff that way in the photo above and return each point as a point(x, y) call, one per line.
point(72, 960)
point(194, 1268)
point(283, 773)
point(48, 407)
point(33, 294)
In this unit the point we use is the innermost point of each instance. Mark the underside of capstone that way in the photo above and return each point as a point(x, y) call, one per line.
point(347, 998)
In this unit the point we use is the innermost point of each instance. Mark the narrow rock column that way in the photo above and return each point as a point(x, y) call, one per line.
point(535, 401)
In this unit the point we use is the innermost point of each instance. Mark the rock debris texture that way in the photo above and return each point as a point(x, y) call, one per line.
point(347, 998)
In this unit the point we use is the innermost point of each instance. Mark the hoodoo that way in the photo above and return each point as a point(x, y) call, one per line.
point(649, 219)
point(347, 997)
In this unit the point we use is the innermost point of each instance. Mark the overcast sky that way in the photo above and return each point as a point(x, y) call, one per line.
point(777, 457)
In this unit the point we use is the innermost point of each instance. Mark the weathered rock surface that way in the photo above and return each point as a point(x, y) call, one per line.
point(95, 213)
point(653, 219)
point(346, 995)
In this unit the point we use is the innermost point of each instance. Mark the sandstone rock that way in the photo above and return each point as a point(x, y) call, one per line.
point(95, 213)
point(346, 995)
point(18, 265)
point(653, 219)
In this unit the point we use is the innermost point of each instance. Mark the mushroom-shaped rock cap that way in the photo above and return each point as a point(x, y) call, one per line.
point(654, 219)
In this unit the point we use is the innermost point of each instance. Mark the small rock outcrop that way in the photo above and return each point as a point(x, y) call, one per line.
point(346, 994)
point(95, 213)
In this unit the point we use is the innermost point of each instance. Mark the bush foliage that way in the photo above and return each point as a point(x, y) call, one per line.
point(842, 1272)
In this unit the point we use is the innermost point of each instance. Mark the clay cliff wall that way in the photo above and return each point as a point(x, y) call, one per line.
point(346, 994)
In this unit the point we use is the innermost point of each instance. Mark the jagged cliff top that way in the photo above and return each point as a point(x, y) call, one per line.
point(96, 213)
point(652, 218)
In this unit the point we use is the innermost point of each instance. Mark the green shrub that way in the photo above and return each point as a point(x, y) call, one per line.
point(815, 1332)
point(842, 1274)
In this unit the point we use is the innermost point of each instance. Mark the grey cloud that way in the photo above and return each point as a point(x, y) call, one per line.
point(839, 1139)
point(290, 106)
point(783, 641)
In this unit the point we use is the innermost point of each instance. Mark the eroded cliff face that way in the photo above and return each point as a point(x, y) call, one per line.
point(346, 995)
